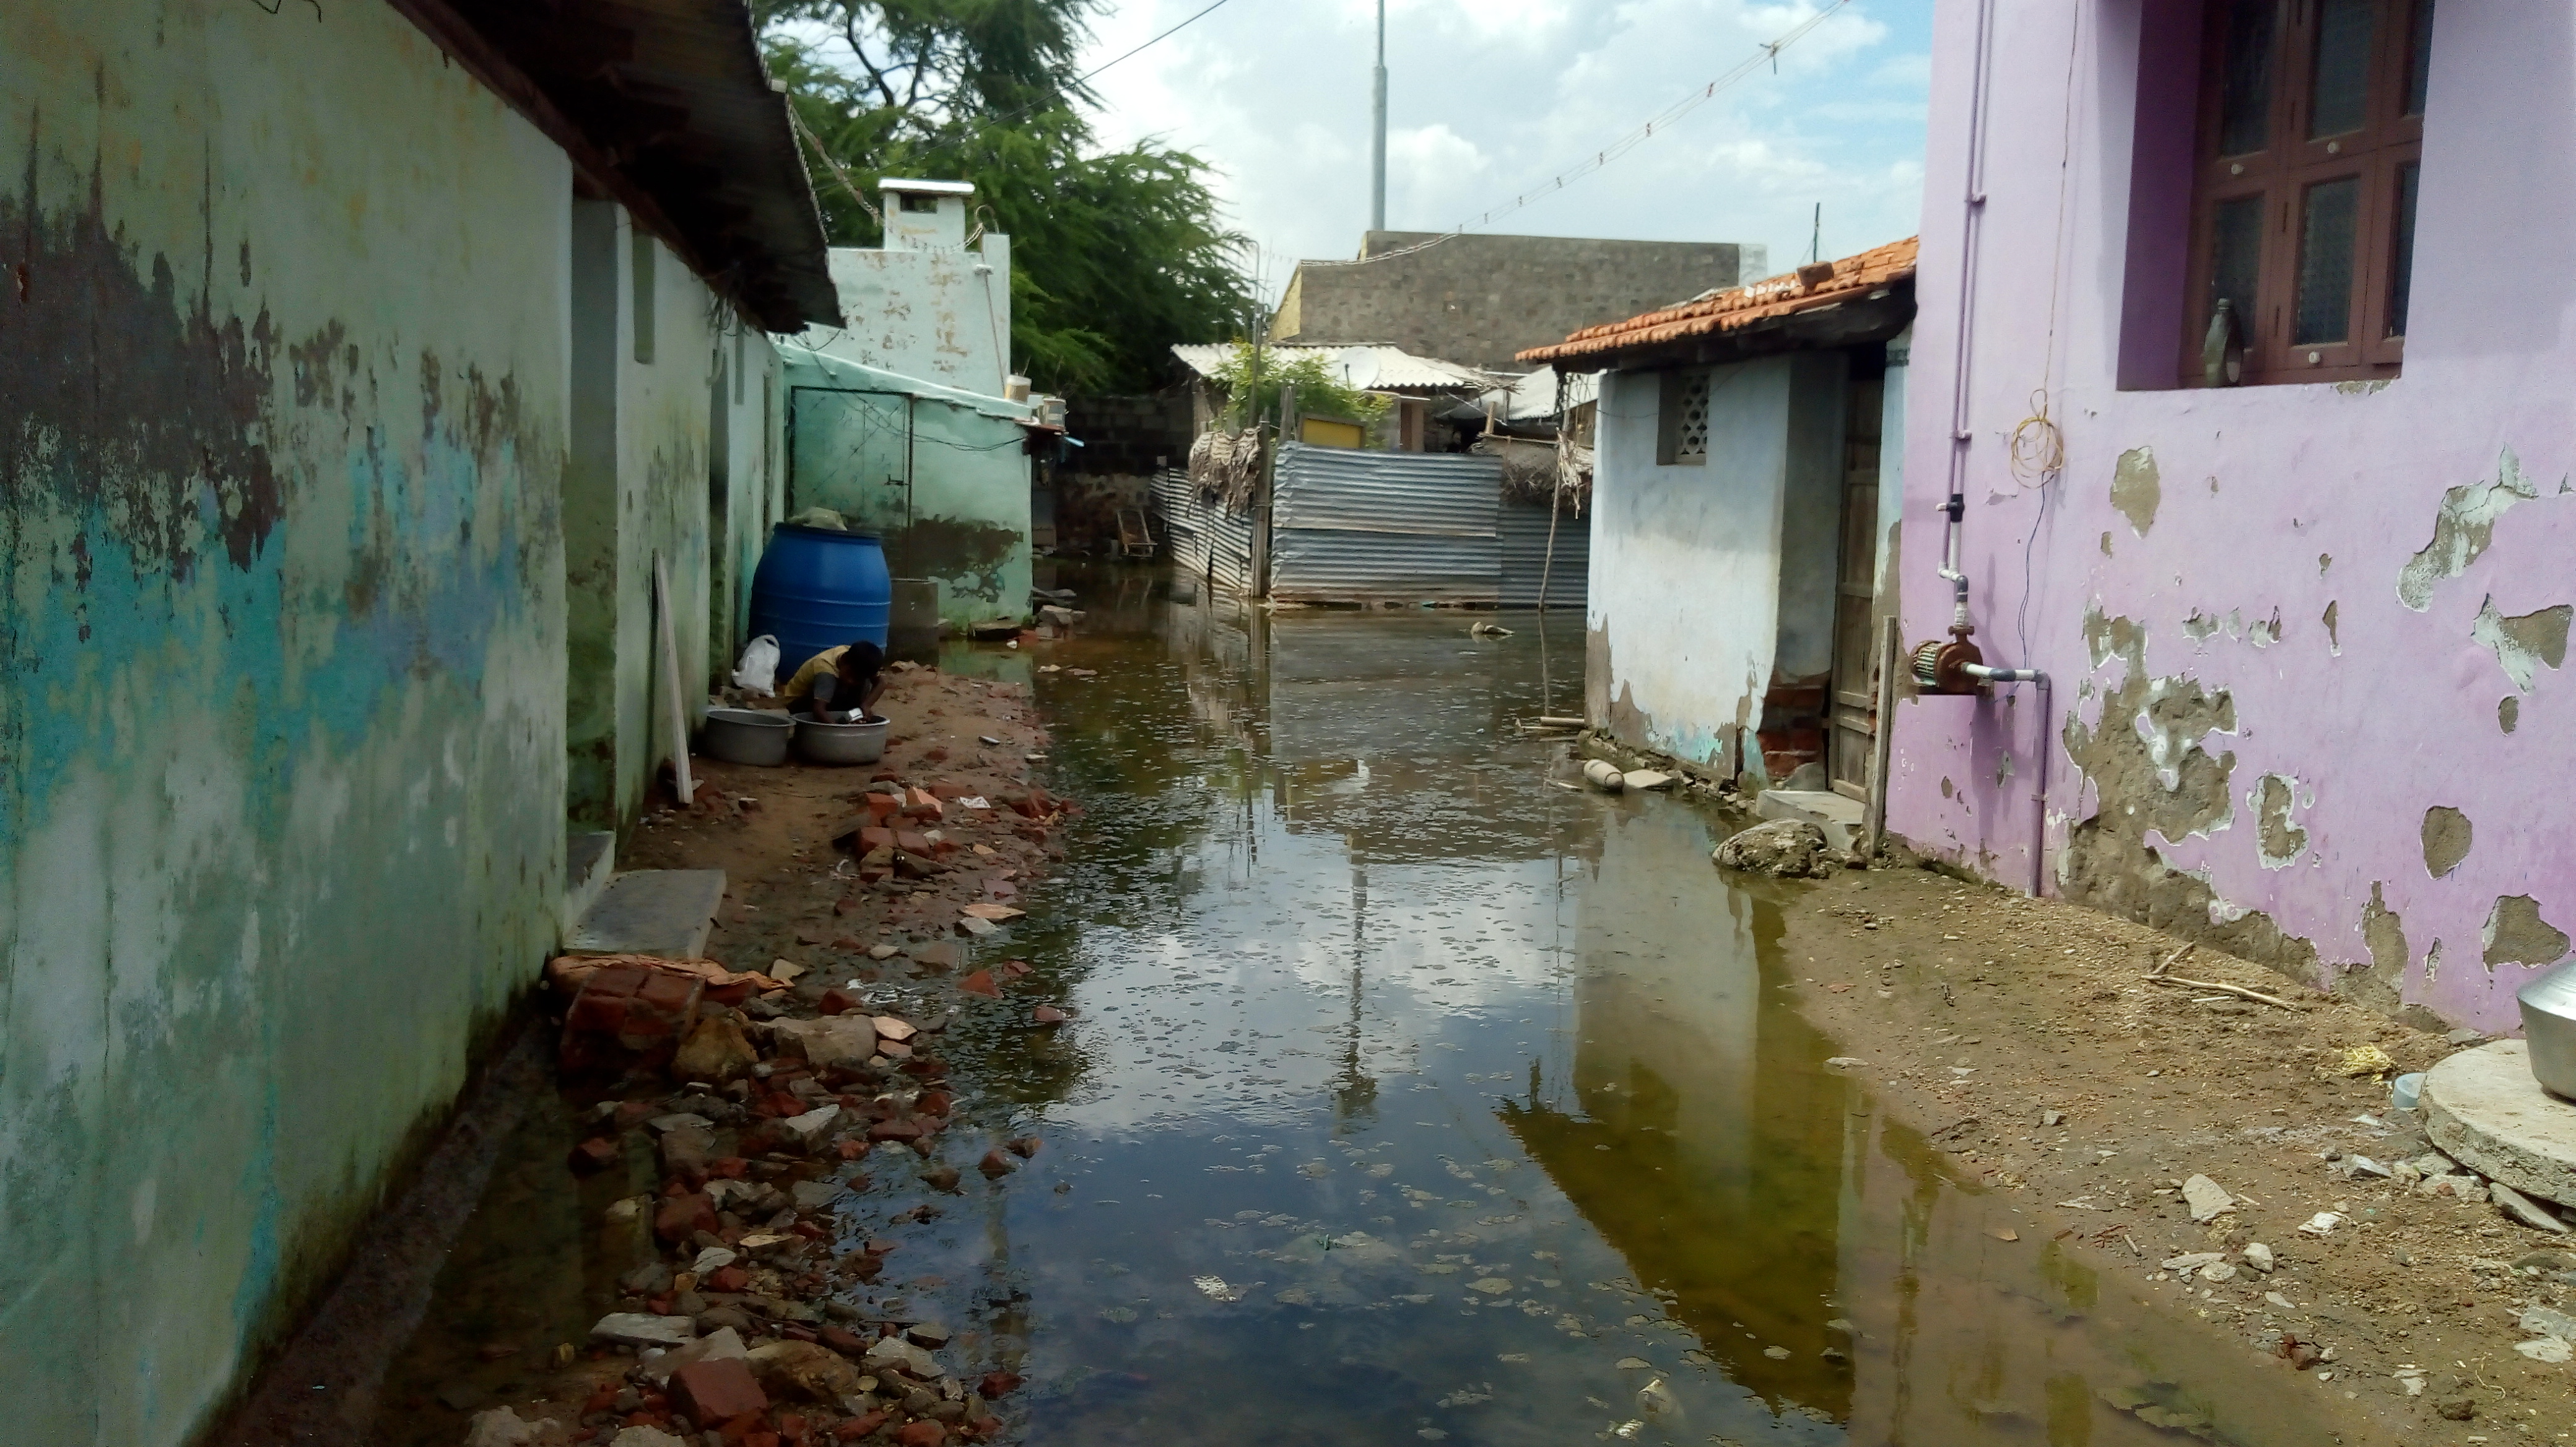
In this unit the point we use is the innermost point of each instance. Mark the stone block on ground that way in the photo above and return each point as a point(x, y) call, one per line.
point(2484, 1109)
point(803, 1370)
point(714, 1051)
point(845, 1041)
point(1782, 849)
point(717, 1345)
point(643, 1329)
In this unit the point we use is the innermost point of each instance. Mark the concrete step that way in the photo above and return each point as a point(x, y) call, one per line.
point(1838, 816)
point(590, 860)
point(666, 912)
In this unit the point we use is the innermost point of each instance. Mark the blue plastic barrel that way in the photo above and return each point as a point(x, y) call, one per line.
point(819, 589)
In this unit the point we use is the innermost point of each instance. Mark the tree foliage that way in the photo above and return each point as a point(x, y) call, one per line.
point(1116, 254)
point(1262, 378)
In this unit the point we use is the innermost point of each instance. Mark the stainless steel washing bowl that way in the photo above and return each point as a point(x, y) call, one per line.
point(2549, 1026)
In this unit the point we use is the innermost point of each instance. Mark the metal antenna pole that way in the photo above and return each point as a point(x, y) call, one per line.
point(1377, 129)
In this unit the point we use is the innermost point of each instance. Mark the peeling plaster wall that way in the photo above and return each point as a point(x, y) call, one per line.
point(1684, 611)
point(963, 522)
point(282, 424)
point(2284, 622)
point(943, 316)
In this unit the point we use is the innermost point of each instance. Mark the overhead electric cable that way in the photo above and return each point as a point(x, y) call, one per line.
point(1664, 119)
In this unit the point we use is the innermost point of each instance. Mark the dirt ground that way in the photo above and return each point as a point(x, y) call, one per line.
point(792, 895)
point(2026, 1038)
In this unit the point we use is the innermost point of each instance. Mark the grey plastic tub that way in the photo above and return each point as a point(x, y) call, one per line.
point(2549, 1025)
point(831, 743)
point(748, 736)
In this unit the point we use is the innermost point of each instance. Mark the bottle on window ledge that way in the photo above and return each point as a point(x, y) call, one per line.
point(2222, 353)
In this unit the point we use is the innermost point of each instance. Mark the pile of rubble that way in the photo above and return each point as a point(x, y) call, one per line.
point(750, 1323)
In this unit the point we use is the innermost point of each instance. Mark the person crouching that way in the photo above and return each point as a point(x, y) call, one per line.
point(838, 685)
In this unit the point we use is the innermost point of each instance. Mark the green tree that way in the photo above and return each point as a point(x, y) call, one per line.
point(1116, 254)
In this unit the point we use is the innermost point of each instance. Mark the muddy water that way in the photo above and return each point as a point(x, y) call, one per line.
point(1417, 1097)
point(1413, 1096)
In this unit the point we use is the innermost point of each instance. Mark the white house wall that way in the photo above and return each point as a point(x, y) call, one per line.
point(1683, 619)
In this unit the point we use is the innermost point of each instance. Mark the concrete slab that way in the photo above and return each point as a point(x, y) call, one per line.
point(2485, 1111)
point(590, 861)
point(665, 912)
point(1839, 817)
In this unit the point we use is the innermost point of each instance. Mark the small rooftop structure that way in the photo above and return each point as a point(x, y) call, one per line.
point(924, 215)
point(1764, 316)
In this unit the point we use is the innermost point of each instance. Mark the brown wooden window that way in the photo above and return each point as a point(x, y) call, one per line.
point(2303, 197)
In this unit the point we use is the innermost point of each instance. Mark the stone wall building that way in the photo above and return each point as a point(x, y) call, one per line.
point(1479, 299)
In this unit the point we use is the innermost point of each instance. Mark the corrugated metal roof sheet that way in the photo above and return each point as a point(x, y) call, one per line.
point(1369, 368)
point(1533, 396)
point(1806, 288)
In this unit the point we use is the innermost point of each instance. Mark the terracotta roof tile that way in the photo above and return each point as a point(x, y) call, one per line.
point(1804, 289)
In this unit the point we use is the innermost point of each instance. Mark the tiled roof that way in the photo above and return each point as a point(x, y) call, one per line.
point(1805, 289)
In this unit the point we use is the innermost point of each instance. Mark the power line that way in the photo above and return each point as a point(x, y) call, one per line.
point(1664, 119)
point(1033, 107)
point(1166, 35)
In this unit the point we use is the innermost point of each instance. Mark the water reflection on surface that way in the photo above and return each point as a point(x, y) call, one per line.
point(1415, 1096)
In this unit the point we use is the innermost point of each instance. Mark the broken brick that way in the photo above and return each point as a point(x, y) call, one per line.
point(718, 1389)
point(681, 1217)
point(596, 1154)
point(980, 983)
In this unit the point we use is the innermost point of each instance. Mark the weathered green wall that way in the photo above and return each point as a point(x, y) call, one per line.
point(964, 519)
point(666, 464)
point(287, 464)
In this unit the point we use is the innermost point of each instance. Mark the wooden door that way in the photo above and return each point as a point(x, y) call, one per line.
point(1855, 681)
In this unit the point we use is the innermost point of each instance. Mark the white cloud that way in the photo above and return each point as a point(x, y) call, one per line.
point(1492, 98)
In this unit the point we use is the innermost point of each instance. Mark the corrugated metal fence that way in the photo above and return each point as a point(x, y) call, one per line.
point(1200, 538)
point(1522, 532)
point(1349, 526)
point(1352, 526)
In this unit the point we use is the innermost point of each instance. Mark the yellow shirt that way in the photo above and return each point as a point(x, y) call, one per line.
point(827, 661)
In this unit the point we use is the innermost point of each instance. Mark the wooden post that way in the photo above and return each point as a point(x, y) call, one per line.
point(668, 638)
point(1891, 657)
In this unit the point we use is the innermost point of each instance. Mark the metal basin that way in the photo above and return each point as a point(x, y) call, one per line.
point(2549, 1024)
point(831, 743)
point(747, 736)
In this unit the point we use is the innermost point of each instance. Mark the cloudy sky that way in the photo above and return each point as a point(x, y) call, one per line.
point(1491, 98)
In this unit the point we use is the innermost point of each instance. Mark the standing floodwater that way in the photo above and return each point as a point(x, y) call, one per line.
point(1410, 1095)
point(1415, 1096)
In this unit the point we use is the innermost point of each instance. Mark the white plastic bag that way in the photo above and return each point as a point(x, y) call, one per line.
point(758, 671)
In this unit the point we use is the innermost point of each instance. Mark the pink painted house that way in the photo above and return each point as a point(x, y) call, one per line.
point(2296, 569)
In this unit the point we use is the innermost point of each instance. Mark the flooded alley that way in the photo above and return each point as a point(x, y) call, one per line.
point(1408, 1095)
